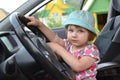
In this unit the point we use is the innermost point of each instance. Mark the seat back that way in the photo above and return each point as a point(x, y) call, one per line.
point(61, 32)
point(105, 39)
point(114, 9)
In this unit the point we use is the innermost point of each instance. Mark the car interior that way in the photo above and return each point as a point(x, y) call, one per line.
point(109, 37)
point(24, 54)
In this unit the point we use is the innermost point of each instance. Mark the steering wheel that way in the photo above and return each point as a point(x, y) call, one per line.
point(39, 50)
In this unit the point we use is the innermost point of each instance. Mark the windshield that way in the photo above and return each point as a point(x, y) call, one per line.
point(7, 6)
point(54, 13)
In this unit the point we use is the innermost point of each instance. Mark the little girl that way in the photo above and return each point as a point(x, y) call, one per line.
point(77, 50)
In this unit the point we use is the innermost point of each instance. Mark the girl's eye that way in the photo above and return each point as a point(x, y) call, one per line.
point(70, 30)
point(81, 31)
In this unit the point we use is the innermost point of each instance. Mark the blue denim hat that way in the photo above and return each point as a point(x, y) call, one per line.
point(81, 18)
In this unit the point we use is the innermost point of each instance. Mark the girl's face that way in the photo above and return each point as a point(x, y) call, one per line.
point(78, 36)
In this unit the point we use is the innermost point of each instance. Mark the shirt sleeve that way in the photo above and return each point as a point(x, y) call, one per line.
point(92, 50)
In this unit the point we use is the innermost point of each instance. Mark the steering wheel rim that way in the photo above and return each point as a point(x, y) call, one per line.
point(56, 68)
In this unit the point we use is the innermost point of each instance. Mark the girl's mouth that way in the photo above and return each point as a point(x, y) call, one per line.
point(74, 41)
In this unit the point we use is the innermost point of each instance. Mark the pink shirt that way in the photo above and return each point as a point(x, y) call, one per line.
point(90, 50)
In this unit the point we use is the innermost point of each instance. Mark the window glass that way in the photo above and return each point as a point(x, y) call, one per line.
point(54, 13)
point(7, 6)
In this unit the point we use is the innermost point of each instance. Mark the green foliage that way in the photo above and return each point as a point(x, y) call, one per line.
point(76, 4)
point(40, 14)
point(53, 22)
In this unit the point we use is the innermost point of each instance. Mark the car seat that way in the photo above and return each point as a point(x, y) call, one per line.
point(106, 42)
point(114, 9)
point(109, 44)
point(61, 32)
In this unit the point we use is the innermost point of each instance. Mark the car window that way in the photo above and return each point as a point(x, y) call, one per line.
point(54, 13)
point(8, 6)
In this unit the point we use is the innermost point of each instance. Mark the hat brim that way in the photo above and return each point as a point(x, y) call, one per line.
point(80, 23)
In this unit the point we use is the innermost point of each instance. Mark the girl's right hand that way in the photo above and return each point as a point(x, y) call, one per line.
point(33, 21)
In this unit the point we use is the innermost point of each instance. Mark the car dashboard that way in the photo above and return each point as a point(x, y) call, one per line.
point(8, 44)
point(15, 60)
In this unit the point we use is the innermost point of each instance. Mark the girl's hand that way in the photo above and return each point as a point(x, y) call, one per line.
point(34, 21)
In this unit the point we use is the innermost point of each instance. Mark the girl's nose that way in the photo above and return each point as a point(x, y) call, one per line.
point(74, 34)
